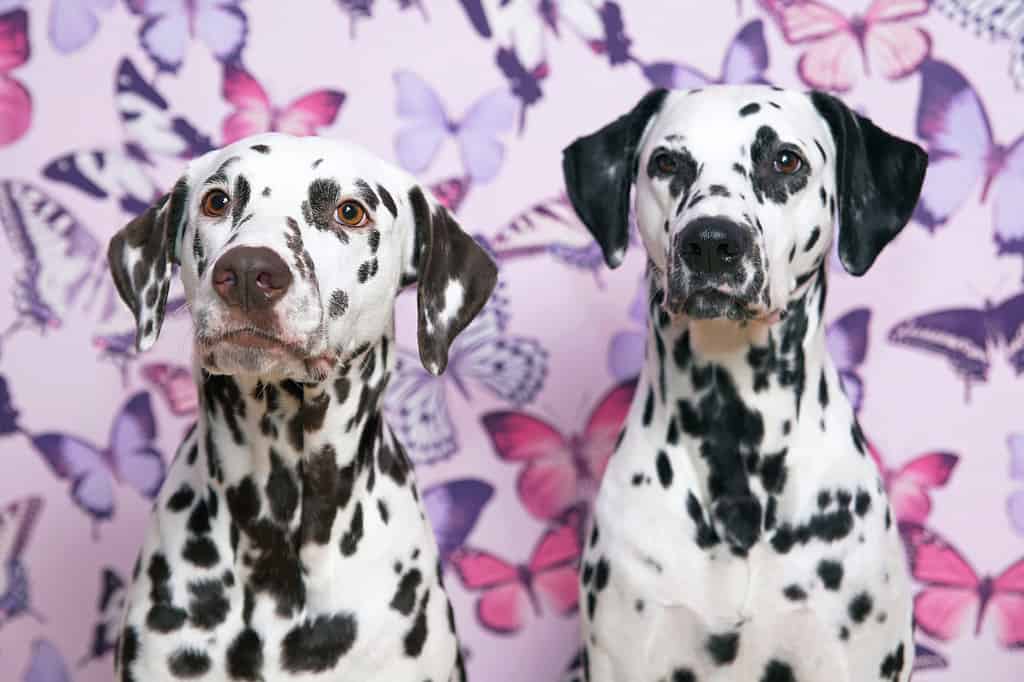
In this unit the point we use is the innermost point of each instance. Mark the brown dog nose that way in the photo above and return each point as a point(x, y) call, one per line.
point(251, 277)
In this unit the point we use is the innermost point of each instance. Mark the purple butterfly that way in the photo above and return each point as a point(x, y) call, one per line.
point(149, 129)
point(847, 343)
point(8, 412)
point(358, 10)
point(965, 336)
point(428, 125)
point(73, 23)
point(952, 120)
point(46, 664)
point(17, 522)
point(1015, 503)
point(996, 20)
point(60, 263)
point(626, 350)
point(746, 60)
point(477, 17)
point(928, 659)
point(512, 368)
point(453, 508)
point(170, 25)
point(110, 606)
point(131, 458)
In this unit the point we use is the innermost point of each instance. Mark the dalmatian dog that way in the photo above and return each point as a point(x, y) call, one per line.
point(741, 531)
point(288, 541)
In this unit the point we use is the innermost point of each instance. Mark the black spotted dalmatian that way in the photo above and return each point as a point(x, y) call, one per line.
point(741, 533)
point(289, 542)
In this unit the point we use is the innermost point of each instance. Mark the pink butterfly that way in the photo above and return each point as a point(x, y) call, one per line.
point(881, 39)
point(452, 192)
point(254, 113)
point(952, 588)
point(908, 487)
point(176, 385)
point(509, 589)
point(559, 470)
point(15, 100)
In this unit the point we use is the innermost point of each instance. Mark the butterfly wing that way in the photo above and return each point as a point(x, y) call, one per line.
point(453, 508)
point(252, 113)
point(309, 113)
point(59, 257)
point(957, 334)
point(605, 425)
point(451, 192)
point(15, 100)
point(831, 64)
point(17, 522)
point(554, 565)
point(135, 459)
point(747, 57)
point(46, 664)
point(954, 123)
point(1008, 605)
point(626, 354)
point(418, 411)
point(416, 145)
point(101, 172)
point(547, 484)
point(14, 43)
point(909, 487)
point(477, 134)
point(175, 384)
point(73, 23)
point(77, 461)
point(950, 583)
point(1008, 320)
point(1008, 201)
point(502, 606)
point(222, 26)
point(165, 33)
point(926, 658)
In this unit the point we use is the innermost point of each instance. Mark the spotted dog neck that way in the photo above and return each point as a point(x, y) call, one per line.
point(298, 465)
point(742, 403)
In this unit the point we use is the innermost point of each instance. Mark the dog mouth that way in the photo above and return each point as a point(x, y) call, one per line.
point(254, 338)
point(711, 303)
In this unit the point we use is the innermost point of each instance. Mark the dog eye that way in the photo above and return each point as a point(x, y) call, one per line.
point(351, 213)
point(215, 203)
point(787, 162)
point(665, 163)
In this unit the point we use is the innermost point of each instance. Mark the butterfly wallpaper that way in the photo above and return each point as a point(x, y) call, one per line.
point(103, 101)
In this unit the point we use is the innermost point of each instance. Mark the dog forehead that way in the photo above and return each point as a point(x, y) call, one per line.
point(287, 165)
point(722, 120)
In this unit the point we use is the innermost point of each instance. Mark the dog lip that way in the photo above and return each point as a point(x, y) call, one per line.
point(251, 337)
point(711, 303)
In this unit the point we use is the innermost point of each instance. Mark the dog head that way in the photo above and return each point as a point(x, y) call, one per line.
point(291, 252)
point(737, 190)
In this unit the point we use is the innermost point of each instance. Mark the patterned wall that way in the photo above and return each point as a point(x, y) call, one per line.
point(102, 100)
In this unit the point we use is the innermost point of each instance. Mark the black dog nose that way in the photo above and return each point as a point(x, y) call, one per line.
point(251, 277)
point(711, 246)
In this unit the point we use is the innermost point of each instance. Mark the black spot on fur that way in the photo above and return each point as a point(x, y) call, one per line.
point(223, 399)
point(266, 191)
point(813, 239)
point(209, 606)
point(318, 644)
point(405, 594)
point(188, 663)
point(181, 499)
point(417, 635)
point(767, 183)
point(749, 109)
point(683, 675)
point(858, 437)
point(664, 467)
point(317, 163)
point(388, 201)
point(350, 540)
point(321, 487)
point(860, 607)
point(777, 671)
point(773, 471)
point(201, 551)
point(821, 150)
point(844, 498)
point(682, 178)
point(719, 191)
point(366, 193)
point(261, 148)
point(892, 664)
point(862, 503)
point(602, 574)
point(244, 501)
point(338, 304)
point(282, 492)
point(794, 593)
point(723, 648)
point(165, 618)
point(199, 519)
point(240, 201)
point(318, 208)
point(831, 573)
point(245, 656)
point(308, 418)
point(706, 535)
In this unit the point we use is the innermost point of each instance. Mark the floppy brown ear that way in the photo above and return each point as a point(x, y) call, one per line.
point(599, 170)
point(455, 278)
point(140, 257)
point(878, 180)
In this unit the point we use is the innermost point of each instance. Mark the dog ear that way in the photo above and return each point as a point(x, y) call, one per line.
point(599, 171)
point(141, 256)
point(455, 278)
point(878, 179)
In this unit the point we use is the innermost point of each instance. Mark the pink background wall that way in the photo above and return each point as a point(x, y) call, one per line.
point(573, 322)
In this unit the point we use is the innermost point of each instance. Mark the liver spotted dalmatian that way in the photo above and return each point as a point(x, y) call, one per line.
point(741, 533)
point(288, 541)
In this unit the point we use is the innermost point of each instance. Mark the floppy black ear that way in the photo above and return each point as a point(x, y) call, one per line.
point(599, 170)
point(455, 278)
point(140, 257)
point(878, 179)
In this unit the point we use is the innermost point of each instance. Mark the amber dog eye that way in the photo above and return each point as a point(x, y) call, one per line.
point(215, 203)
point(787, 162)
point(665, 163)
point(351, 213)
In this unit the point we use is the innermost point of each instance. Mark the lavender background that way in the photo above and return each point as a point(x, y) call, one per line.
point(571, 315)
